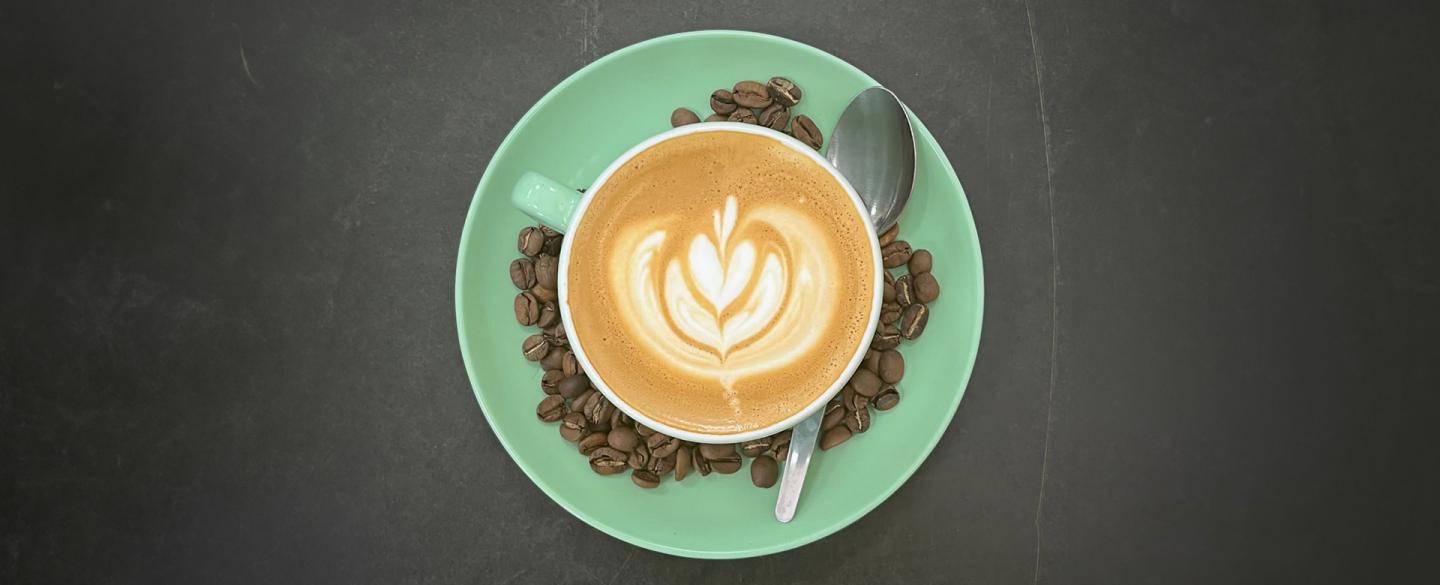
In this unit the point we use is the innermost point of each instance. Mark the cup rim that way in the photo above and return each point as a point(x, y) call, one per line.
point(577, 345)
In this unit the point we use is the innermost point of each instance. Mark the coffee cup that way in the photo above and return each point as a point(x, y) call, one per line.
point(564, 209)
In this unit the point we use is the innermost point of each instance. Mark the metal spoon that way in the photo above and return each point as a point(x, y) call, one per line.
point(874, 147)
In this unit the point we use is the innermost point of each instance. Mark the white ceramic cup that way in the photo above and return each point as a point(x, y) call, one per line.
point(561, 208)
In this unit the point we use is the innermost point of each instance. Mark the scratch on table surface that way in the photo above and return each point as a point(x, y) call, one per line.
point(589, 28)
point(513, 576)
point(1054, 284)
point(621, 570)
point(989, 95)
point(244, 62)
point(593, 576)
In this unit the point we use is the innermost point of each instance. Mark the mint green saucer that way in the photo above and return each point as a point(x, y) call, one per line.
point(571, 135)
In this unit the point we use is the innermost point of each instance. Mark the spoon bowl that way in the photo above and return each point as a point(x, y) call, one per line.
point(874, 147)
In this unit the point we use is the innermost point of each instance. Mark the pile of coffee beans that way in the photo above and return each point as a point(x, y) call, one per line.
point(615, 443)
point(903, 316)
point(762, 104)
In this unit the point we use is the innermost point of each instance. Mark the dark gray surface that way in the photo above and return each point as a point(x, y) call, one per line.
point(228, 231)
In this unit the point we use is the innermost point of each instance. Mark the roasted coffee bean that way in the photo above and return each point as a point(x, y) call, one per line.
point(774, 117)
point(553, 246)
point(887, 399)
point(834, 437)
point(607, 461)
point(727, 466)
point(643, 430)
point(522, 273)
point(722, 102)
point(886, 337)
point(527, 309)
point(620, 419)
point(598, 409)
point(574, 426)
point(556, 335)
point(600, 427)
point(715, 452)
point(699, 462)
point(535, 347)
point(856, 401)
point(889, 278)
point(591, 442)
point(550, 381)
point(573, 386)
point(531, 241)
point(661, 445)
point(888, 292)
point(551, 361)
point(623, 438)
point(779, 440)
point(780, 445)
point(549, 316)
point(551, 409)
point(717, 118)
point(833, 417)
point(858, 421)
point(890, 312)
point(804, 130)
point(764, 471)
point(555, 360)
point(544, 293)
point(895, 254)
point(571, 364)
point(848, 396)
point(547, 271)
point(661, 466)
point(904, 291)
point(866, 382)
point(682, 463)
point(644, 479)
point(722, 458)
point(892, 367)
point(784, 91)
point(553, 240)
point(927, 289)
point(920, 262)
point(871, 361)
point(578, 404)
point(742, 115)
point(750, 87)
point(751, 94)
point(683, 116)
point(755, 448)
point(913, 322)
point(639, 456)
point(889, 235)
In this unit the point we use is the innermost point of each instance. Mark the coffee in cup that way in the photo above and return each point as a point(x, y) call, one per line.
point(725, 282)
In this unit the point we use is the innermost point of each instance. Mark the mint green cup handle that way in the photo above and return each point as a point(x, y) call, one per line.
point(546, 200)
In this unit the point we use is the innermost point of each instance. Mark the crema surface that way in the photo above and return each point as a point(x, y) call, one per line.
point(720, 282)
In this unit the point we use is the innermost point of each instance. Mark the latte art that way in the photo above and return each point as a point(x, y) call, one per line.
point(720, 282)
point(732, 305)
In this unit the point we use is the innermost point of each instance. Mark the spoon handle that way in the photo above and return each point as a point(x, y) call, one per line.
point(802, 445)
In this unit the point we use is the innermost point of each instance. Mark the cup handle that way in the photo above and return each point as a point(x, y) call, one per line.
point(545, 200)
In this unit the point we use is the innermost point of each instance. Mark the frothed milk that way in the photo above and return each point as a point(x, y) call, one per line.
point(725, 282)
